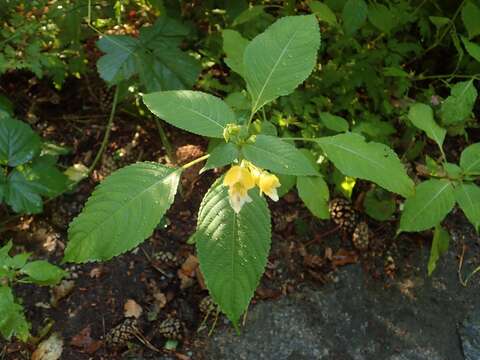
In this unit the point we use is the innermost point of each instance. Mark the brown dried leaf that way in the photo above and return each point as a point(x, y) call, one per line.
point(84, 341)
point(49, 349)
point(132, 309)
point(344, 257)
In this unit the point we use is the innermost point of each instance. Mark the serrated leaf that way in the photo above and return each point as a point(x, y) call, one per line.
point(154, 56)
point(421, 116)
point(334, 122)
point(323, 12)
point(441, 239)
point(281, 58)
point(272, 153)
point(120, 60)
point(470, 159)
point(195, 111)
point(472, 48)
point(12, 321)
point(468, 198)
point(432, 201)
point(41, 272)
point(459, 105)
point(18, 142)
point(167, 68)
point(376, 162)
point(382, 17)
point(22, 194)
point(223, 154)
point(234, 46)
point(232, 248)
point(354, 15)
point(313, 191)
point(122, 212)
point(470, 16)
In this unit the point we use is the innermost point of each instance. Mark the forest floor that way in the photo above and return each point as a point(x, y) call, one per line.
point(160, 279)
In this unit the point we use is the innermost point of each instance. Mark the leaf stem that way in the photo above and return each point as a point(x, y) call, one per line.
point(196, 161)
point(165, 142)
point(108, 130)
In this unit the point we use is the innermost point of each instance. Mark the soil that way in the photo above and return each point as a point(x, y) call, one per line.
point(306, 252)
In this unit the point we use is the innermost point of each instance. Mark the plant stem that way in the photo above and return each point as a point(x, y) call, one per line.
point(196, 161)
point(446, 76)
point(106, 136)
point(165, 142)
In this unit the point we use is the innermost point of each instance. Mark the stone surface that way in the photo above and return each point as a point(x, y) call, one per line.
point(417, 318)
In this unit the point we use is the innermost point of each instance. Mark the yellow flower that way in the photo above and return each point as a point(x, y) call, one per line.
point(268, 184)
point(239, 180)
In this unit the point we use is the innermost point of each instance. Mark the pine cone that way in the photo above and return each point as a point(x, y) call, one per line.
point(120, 335)
point(171, 328)
point(207, 305)
point(343, 214)
point(361, 236)
point(166, 258)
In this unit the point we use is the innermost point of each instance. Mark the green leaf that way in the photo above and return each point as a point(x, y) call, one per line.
point(18, 142)
point(470, 16)
point(376, 162)
point(354, 15)
point(470, 159)
point(441, 239)
point(194, 111)
point(12, 321)
point(472, 48)
point(154, 57)
point(120, 60)
point(41, 272)
point(3, 184)
point(439, 21)
point(287, 182)
point(468, 198)
point(379, 204)
point(382, 17)
point(281, 58)
point(323, 12)
point(223, 154)
point(122, 212)
point(313, 191)
point(249, 14)
point(272, 153)
point(421, 116)
point(334, 122)
point(167, 68)
point(432, 201)
point(234, 46)
point(459, 105)
point(232, 248)
point(22, 194)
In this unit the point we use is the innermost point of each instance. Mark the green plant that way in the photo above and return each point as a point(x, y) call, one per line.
point(233, 228)
point(27, 167)
point(19, 270)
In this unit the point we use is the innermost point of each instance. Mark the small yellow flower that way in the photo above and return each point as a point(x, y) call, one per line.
point(268, 184)
point(239, 180)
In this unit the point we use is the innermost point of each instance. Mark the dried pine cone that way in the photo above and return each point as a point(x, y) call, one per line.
point(120, 335)
point(166, 258)
point(171, 328)
point(361, 236)
point(343, 214)
point(207, 305)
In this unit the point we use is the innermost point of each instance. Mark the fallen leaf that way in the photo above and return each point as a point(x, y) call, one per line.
point(187, 272)
point(132, 309)
point(344, 257)
point(84, 341)
point(49, 349)
point(61, 291)
point(96, 272)
point(160, 299)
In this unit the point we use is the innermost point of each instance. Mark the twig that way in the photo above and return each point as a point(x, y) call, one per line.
point(165, 142)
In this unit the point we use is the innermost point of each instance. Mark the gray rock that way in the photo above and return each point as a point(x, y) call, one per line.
point(417, 318)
